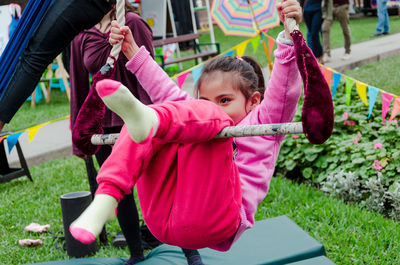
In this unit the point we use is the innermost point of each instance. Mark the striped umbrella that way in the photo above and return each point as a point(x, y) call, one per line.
point(245, 17)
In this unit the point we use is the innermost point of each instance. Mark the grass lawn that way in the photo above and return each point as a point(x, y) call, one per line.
point(361, 29)
point(350, 235)
point(383, 74)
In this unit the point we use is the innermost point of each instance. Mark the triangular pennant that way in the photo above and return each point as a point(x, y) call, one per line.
point(240, 49)
point(349, 87)
point(336, 81)
point(33, 130)
point(396, 108)
point(255, 42)
point(362, 91)
point(328, 76)
point(181, 79)
point(372, 94)
point(2, 138)
point(230, 53)
point(386, 99)
point(196, 72)
point(271, 43)
point(12, 140)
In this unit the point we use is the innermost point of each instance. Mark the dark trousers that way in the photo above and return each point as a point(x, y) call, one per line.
point(61, 23)
point(313, 21)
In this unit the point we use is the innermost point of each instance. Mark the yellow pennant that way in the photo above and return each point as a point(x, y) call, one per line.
point(33, 130)
point(241, 48)
point(362, 91)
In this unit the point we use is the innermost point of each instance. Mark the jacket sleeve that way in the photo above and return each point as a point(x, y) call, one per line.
point(153, 79)
point(79, 79)
point(284, 88)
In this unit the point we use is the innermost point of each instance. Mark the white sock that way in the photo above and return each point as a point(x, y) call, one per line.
point(139, 118)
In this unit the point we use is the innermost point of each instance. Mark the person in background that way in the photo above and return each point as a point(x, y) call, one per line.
point(382, 27)
point(335, 9)
point(59, 25)
point(312, 13)
point(88, 53)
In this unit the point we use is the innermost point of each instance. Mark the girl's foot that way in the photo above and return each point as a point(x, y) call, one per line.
point(138, 118)
point(90, 223)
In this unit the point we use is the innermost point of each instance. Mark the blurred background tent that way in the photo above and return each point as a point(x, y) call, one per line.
point(30, 19)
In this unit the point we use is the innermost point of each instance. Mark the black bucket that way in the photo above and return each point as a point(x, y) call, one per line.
point(72, 205)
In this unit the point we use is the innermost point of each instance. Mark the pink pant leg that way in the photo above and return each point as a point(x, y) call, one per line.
point(189, 188)
point(195, 201)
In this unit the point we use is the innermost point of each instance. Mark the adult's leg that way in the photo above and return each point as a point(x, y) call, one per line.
point(326, 27)
point(315, 22)
point(342, 14)
point(61, 23)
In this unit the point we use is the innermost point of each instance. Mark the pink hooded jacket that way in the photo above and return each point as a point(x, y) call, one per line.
point(255, 156)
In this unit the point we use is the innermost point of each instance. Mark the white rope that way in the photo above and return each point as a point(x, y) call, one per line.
point(116, 49)
point(227, 132)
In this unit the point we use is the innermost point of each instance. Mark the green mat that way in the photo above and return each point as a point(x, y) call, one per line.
point(276, 240)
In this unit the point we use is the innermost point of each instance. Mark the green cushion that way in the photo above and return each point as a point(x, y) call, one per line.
point(276, 240)
point(321, 260)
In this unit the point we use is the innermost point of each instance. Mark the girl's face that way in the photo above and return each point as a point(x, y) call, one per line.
point(220, 88)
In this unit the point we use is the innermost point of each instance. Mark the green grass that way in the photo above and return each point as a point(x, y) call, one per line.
point(361, 29)
point(350, 234)
point(383, 74)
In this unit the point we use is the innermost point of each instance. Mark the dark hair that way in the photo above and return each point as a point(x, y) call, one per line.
point(249, 78)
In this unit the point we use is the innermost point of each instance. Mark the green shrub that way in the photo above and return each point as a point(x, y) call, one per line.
point(358, 145)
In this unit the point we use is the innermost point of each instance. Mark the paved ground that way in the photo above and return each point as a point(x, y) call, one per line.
point(54, 140)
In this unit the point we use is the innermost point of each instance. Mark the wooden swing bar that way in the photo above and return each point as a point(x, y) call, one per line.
point(227, 132)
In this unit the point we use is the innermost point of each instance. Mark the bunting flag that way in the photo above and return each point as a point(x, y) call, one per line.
point(328, 76)
point(33, 130)
point(2, 138)
point(241, 48)
point(349, 87)
point(362, 91)
point(336, 81)
point(230, 53)
point(271, 43)
point(386, 99)
point(396, 108)
point(196, 72)
point(255, 42)
point(372, 94)
point(181, 79)
point(12, 140)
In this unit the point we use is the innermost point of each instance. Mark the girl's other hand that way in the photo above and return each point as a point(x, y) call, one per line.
point(289, 9)
point(124, 34)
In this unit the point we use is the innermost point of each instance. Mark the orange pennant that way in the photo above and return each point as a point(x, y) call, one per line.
point(396, 108)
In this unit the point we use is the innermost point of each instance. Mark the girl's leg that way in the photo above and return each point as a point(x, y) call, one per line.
point(192, 256)
point(61, 23)
point(187, 170)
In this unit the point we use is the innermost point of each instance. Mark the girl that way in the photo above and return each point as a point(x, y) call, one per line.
point(193, 190)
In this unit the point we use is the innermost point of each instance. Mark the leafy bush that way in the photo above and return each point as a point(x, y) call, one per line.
point(362, 146)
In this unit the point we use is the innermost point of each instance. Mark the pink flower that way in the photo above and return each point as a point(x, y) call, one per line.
point(295, 136)
point(355, 140)
point(377, 146)
point(352, 123)
point(359, 135)
point(345, 122)
point(345, 115)
point(377, 165)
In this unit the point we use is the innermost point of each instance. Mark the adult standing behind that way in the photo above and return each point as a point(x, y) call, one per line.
point(89, 52)
point(382, 27)
point(313, 17)
point(335, 9)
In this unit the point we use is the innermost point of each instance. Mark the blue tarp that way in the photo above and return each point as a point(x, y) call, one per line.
point(30, 19)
